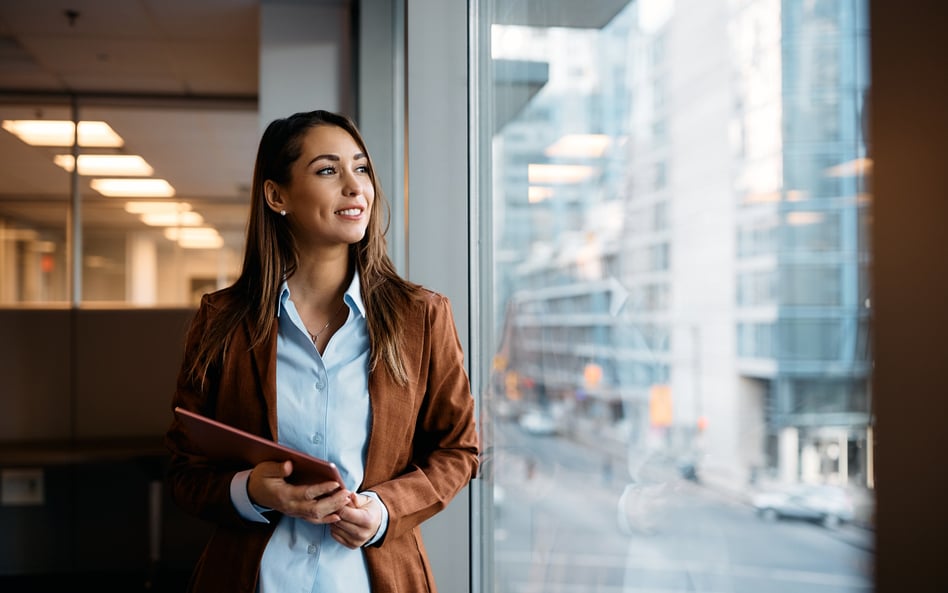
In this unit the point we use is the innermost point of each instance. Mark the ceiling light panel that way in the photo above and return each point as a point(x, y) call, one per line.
point(41, 132)
point(118, 165)
point(579, 146)
point(172, 219)
point(150, 207)
point(195, 237)
point(553, 174)
point(129, 188)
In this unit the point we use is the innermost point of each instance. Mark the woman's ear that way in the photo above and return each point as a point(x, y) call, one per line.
point(271, 192)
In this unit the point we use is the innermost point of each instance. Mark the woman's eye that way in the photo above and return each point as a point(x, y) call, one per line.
point(326, 171)
point(362, 168)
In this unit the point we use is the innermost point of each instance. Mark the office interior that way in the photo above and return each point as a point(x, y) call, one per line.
point(89, 353)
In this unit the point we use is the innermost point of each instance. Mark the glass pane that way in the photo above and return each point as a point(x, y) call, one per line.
point(35, 199)
point(678, 220)
point(138, 250)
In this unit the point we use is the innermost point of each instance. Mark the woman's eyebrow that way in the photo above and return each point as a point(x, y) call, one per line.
point(335, 158)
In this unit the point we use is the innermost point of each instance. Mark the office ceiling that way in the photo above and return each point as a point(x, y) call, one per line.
point(177, 79)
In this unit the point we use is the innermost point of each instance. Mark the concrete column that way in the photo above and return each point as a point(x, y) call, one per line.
point(810, 463)
point(844, 457)
point(788, 462)
point(8, 287)
point(141, 270)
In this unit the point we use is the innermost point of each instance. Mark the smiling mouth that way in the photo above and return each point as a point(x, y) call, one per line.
point(350, 212)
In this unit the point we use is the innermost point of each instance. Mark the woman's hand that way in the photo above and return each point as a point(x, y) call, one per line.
point(358, 523)
point(316, 503)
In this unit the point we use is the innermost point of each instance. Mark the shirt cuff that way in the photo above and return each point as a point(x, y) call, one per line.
point(241, 499)
point(383, 525)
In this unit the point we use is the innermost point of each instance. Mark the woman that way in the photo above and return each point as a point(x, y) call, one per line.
point(321, 346)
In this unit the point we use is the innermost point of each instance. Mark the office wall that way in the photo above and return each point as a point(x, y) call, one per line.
point(86, 398)
point(381, 106)
point(74, 374)
point(305, 58)
point(36, 370)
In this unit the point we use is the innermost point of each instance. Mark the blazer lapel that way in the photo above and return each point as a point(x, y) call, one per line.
point(264, 358)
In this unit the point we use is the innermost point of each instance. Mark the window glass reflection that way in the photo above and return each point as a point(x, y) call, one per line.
point(34, 207)
point(678, 397)
point(161, 245)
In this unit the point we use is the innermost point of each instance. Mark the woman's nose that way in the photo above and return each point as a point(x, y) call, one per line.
point(351, 184)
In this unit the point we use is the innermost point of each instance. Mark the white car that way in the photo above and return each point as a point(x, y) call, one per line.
point(539, 423)
point(830, 505)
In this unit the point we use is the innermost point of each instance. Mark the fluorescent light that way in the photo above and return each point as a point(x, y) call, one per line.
point(172, 219)
point(142, 188)
point(42, 132)
point(149, 207)
point(762, 197)
point(120, 165)
point(536, 193)
point(853, 168)
point(550, 174)
point(195, 237)
point(579, 145)
point(801, 218)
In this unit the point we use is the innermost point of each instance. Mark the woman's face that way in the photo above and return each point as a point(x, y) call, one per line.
point(330, 195)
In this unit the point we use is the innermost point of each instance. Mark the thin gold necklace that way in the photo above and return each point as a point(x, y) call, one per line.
point(315, 336)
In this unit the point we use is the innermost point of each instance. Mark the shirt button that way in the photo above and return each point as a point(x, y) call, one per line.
point(319, 384)
point(317, 438)
point(311, 549)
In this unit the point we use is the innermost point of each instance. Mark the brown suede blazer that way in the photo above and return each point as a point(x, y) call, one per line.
point(422, 450)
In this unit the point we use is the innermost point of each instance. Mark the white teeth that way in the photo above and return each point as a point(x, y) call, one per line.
point(350, 212)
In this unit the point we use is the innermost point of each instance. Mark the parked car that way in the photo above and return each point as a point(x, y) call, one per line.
point(539, 423)
point(826, 504)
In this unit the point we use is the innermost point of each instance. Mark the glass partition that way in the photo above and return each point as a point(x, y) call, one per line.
point(676, 206)
point(162, 244)
point(34, 212)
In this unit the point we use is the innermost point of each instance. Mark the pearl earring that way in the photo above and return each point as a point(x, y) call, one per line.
point(282, 212)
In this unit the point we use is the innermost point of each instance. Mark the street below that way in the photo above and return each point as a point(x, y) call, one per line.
point(568, 521)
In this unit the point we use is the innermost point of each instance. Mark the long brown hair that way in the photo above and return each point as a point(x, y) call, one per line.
point(271, 255)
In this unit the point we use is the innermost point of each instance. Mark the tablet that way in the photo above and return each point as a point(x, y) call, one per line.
point(221, 442)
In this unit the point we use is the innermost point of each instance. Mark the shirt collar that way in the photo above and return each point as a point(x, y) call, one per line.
point(352, 296)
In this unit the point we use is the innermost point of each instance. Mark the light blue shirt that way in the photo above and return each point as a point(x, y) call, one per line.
point(323, 410)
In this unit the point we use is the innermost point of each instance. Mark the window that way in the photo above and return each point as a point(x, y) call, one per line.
point(682, 311)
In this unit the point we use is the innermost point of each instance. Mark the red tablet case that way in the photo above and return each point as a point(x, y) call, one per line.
point(221, 442)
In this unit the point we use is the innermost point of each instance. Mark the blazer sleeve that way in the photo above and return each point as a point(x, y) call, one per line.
point(443, 454)
point(197, 486)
